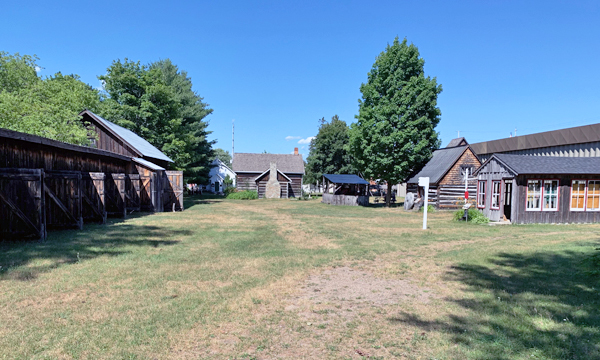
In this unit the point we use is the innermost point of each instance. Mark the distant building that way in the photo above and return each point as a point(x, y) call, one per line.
point(256, 172)
point(218, 172)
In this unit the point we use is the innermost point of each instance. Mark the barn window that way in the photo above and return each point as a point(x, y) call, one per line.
point(593, 195)
point(495, 195)
point(534, 195)
point(481, 194)
point(465, 169)
point(550, 195)
point(578, 195)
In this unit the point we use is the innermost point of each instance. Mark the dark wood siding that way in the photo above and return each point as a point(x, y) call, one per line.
point(247, 181)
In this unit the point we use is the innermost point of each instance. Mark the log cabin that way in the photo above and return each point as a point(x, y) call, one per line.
point(539, 189)
point(253, 172)
point(446, 171)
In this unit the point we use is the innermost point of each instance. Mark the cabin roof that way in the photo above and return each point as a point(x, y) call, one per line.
point(135, 141)
point(441, 161)
point(287, 163)
point(345, 179)
point(457, 142)
point(541, 165)
point(148, 164)
point(574, 135)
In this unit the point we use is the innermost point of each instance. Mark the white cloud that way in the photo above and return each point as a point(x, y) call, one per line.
point(288, 138)
point(38, 69)
point(306, 141)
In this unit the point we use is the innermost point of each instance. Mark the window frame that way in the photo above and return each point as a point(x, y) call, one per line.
point(557, 194)
point(541, 181)
point(587, 187)
point(584, 195)
point(499, 194)
point(479, 193)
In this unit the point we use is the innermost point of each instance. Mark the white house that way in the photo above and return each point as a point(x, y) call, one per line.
point(217, 174)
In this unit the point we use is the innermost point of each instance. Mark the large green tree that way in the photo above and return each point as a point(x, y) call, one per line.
point(394, 134)
point(328, 151)
point(46, 107)
point(157, 103)
point(222, 155)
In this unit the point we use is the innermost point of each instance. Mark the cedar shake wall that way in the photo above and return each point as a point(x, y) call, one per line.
point(453, 176)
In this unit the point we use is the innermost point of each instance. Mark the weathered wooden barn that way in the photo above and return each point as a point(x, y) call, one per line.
point(47, 184)
point(345, 189)
point(151, 188)
point(539, 189)
point(446, 171)
point(580, 141)
point(253, 172)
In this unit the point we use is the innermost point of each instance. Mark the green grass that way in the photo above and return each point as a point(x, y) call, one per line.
point(225, 278)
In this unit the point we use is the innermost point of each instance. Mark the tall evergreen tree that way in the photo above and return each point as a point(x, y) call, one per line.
point(328, 153)
point(395, 130)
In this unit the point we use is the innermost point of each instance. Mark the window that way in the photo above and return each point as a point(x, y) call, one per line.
point(534, 195)
point(550, 195)
point(495, 195)
point(465, 169)
point(578, 195)
point(593, 195)
point(481, 194)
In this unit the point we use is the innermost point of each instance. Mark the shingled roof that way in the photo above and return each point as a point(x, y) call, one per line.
point(539, 165)
point(457, 142)
point(440, 163)
point(287, 163)
point(135, 141)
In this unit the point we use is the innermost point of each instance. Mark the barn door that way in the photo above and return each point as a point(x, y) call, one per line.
point(132, 194)
point(92, 192)
point(173, 191)
point(114, 195)
point(63, 199)
point(22, 208)
point(146, 193)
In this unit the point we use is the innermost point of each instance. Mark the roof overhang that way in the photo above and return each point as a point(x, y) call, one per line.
point(279, 171)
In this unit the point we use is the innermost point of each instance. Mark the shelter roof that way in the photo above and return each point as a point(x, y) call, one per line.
point(574, 135)
point(148, 164)
point(345, 179)
point(135, 141)
point(457, 142)
point(287, 163)
point(540, 165)
point(441, 161)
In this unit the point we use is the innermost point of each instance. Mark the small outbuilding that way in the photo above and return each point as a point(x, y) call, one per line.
point(539, 189)
point(345, 189)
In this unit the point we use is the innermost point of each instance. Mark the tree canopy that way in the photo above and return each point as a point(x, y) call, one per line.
point(394, 134)
point(46, 107)
point(222, 155)
point(328, 151)
point(157, 102)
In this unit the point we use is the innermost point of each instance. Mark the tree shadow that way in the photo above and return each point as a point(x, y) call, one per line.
point(190, 201)
point(536, 306)
point(25, 260)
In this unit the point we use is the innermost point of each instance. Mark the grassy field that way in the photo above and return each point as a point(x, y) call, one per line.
point(262, 279)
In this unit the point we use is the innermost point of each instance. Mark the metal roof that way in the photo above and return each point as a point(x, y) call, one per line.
point(574, 135)
point(345, 179)
point(134, 140)
point(441, 161)
point(287, 163)
point(540, 165)
point(147, 164)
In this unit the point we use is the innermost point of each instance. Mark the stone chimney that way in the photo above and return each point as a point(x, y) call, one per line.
point(295, 151)
point(273, 188)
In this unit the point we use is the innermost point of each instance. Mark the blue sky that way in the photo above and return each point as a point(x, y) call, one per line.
point(276, 67)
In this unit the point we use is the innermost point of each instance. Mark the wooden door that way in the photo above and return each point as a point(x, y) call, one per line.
point(507, 198)
point(92, 191)
point(114, 195)
point(63, 199)
point(22, 203)
point(173, 191)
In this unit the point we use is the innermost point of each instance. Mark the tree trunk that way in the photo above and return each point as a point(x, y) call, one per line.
point(388, 194)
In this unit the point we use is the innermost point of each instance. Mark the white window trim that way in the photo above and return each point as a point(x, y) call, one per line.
point(557, 194)
point(541, 182)
point(587, 184)
point(498, 194)
point(584, 196)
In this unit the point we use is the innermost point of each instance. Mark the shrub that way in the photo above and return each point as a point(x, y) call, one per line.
point(430, 209)
point(229, 190)
point(475, 216)
point(243, 195)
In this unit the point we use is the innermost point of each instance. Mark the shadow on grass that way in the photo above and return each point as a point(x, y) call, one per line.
point(539, 306)
point(25, 260)
point(190, 201)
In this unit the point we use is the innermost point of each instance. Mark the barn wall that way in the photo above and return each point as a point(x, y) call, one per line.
point(245, 181)
point(493, 170)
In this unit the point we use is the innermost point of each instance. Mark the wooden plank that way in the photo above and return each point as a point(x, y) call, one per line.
point(23, 217)
point(61, 206)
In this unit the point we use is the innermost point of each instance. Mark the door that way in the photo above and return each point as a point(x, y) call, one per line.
point(507, 198)
point(216, 187)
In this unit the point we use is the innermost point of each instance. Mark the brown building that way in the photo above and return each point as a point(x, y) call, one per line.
point(539, 189)
point(253, 172)
point(446, 171)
